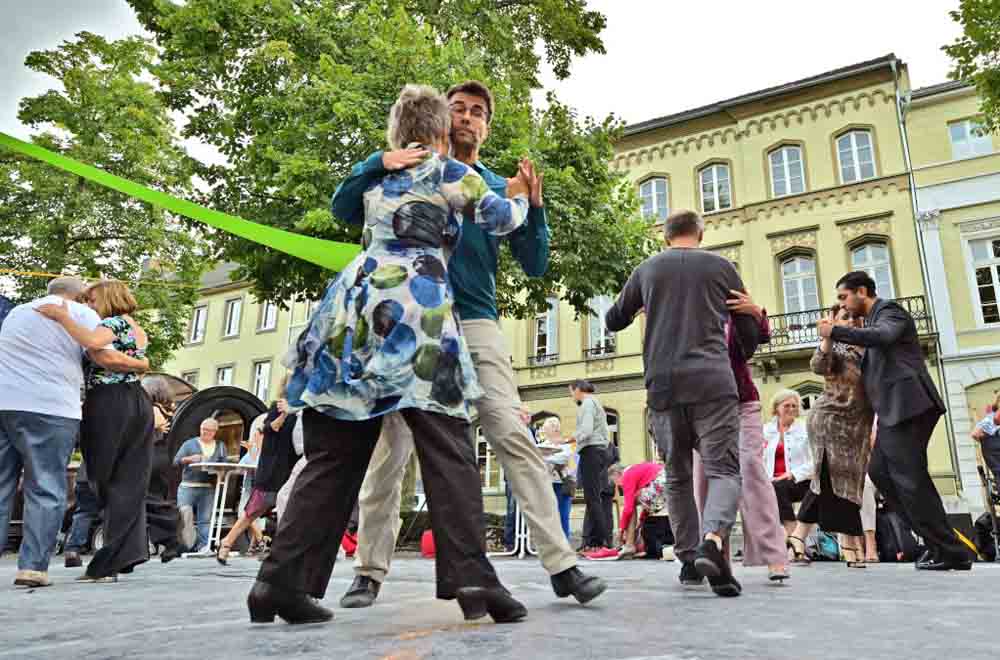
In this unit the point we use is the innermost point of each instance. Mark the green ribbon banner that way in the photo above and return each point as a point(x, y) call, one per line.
point(328, 254)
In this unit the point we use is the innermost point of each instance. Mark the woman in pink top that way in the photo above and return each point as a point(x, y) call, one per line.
point(643, 485)
point(763, 534)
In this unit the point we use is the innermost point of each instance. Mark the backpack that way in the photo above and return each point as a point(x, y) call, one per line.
point(823, 546)
point(985, 541)
point(893, 537)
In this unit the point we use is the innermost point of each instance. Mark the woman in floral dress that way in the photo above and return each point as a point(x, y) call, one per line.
point(385, 339)
point(116, 433)
point(840, 425)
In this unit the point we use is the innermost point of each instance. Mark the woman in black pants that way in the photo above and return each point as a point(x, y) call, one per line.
point(592, 442)
point(116, 432)
point(161, 509)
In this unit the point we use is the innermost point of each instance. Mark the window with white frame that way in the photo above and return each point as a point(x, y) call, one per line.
point(873, 258)
point(224, 375)
point(490, 472)
point(231, 323)
point(856, 155)
point(654, 194)
point(612, 418)
point(600, 340)
point(787, 172)
point(190, 377)
point(268, 316)
point(798, 279)
point(986, 265)
point(199, 318)
point(809, 393)
point(716, 189)
point(261, 379)
point(546, 334)
point(968, 139)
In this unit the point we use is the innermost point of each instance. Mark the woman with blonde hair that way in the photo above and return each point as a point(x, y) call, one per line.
point(116, 432)
point(562, 467)
point(788, 462)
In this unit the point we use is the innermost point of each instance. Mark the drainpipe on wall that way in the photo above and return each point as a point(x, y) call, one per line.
point(922, 254)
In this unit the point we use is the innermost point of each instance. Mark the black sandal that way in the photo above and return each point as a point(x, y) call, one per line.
point(798, 556)
point(854, 563)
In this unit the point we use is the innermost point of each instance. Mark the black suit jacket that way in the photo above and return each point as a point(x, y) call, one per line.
point(896, 378)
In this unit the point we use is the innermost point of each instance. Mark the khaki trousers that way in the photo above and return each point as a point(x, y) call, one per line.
point(511, 441)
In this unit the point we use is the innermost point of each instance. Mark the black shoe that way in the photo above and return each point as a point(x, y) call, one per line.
point(931, 564)
point(725, 585)
point(170, 554)
point(574, 582)
point(690, 577)
point(267, 600)
point(477, 602)
point(73, 559)
point(363, 592)
point(709, 560)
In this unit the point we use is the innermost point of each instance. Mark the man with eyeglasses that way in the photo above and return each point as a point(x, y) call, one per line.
point(472, 273)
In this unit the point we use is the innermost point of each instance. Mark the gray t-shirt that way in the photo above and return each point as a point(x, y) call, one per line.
point(685, 354)
point(40, 364)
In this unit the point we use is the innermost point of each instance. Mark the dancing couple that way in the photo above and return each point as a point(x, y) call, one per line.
point(385, 345)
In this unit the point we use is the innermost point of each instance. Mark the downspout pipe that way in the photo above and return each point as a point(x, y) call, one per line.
point(922, 254)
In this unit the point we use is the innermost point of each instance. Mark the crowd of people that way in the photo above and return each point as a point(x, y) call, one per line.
point(406, 341)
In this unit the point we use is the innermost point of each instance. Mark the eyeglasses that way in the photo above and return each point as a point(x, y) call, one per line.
point(476, 111)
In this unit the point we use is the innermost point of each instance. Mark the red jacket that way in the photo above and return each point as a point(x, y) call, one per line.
point(635, 479)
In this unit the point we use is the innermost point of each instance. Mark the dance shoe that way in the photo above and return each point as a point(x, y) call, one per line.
point(32, 579)
point(477, 602)
point(73, 559)
point(170, 554)
point(363, 592)
point(576, 583)
point(932, 564)
point(266, 600)
point(690, 577)
point(710, 563)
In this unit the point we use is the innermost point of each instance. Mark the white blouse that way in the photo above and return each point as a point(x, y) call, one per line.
point(798, 453)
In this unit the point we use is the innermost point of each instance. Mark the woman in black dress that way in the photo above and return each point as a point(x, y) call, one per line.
point(161, 508)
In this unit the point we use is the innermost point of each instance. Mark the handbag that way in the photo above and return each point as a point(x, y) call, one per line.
point(568, 486)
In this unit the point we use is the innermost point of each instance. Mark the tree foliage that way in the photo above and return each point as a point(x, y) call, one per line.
point(976, 54)
point(51, 221)
point(293, 92)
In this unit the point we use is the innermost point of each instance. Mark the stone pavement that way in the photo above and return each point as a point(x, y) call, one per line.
point(194, 608)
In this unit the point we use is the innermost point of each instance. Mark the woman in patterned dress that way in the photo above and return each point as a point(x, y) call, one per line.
point(116, 433)
point(385, 339)
point(839, 424)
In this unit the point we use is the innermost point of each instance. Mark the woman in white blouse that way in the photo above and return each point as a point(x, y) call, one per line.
point(788, 461)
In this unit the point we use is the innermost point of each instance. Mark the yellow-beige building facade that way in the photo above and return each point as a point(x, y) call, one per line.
point(797, 184)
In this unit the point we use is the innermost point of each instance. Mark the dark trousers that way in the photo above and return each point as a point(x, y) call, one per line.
point(593, 479)
point(85, 515)
point(337, 452)
point(116, 437)
point(510, 519)
point(898, 468)
point(656, 533)
point(991, 454)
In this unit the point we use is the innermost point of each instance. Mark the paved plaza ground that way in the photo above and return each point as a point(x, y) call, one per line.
point(194, 609)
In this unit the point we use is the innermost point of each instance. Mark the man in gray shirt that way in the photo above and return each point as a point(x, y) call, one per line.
point(691, 391)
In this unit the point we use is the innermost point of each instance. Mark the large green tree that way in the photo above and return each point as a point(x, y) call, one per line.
point(108, 114)
point(976, 54)
point(293, 92)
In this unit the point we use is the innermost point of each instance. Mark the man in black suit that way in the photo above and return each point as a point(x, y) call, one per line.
point(908, 407)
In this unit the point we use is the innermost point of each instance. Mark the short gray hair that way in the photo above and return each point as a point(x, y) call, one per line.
point(66, 286)
point(211, 421)
point(781, 396)
point(683, 223)
point(420, 114)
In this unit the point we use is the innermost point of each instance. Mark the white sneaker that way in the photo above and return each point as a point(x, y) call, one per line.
point(668, 553)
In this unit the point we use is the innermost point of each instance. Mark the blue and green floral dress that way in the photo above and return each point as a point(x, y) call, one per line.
point(124, 342)
point(385, 336)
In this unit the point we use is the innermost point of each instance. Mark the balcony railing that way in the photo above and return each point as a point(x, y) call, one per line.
point(599, 352)
point(543, 359)
point(798, 330)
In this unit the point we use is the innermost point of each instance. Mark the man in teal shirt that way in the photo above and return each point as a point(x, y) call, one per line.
point(472, 273)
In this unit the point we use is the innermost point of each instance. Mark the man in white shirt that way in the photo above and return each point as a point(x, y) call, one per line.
point(41, 380)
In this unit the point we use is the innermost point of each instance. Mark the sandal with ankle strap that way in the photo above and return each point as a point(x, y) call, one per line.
point(223, 554)
point(855, 562)
point(798, 556)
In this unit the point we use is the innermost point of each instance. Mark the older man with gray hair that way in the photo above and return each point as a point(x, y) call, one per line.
point(690, 388)
point(41, 378)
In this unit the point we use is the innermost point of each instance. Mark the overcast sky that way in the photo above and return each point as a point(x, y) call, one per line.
point(662, 57)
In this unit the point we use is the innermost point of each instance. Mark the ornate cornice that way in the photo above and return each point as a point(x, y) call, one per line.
point(929, 219)
point(730, 251)
point(828, 197)
point(973, 226)
point(853, 228)
point(799, 238)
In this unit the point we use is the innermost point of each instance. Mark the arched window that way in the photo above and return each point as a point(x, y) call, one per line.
point(856, 155)
point(873, 258)
point(654, 196)
point(716, 188)
point(787, 171)
point(798, 279)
